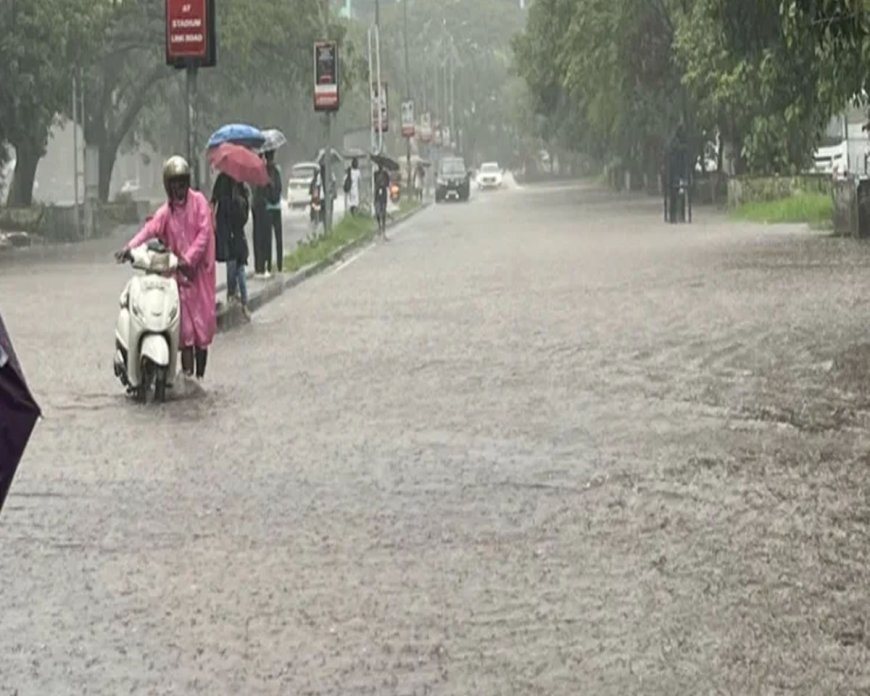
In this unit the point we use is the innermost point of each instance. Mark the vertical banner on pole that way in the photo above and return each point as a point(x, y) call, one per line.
point(326, 95)
point(380, 107)
point(409, 127)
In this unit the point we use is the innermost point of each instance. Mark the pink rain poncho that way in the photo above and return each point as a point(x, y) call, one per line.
point(186, 228)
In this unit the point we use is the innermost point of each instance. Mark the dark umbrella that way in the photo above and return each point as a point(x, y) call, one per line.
point(389, 164)
point(18, 413)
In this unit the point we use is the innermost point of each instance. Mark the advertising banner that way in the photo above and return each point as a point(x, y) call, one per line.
point(326, 96)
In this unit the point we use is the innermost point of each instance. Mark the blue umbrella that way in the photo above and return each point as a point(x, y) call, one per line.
point(238, 134)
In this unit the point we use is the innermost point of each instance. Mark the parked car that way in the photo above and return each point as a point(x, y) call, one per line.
point(298, 181)
point(453, 180)
point(490, 176)
point(129, 188)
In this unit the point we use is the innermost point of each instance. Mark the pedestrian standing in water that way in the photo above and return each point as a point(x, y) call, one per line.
point(262, 231)
point(273, 207)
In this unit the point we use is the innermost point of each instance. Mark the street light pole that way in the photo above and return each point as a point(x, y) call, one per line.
point(407, 90)
point(326, 184)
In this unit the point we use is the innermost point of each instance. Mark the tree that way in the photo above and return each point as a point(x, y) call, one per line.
point(758, 73)
point(264, 46)
point(603, 75)
point(752, 86)
point(38, 53)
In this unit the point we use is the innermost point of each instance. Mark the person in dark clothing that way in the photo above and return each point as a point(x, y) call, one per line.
point(382, 189)
point(239, 246)
point(221, 199)
point(230, 200)
point(273, 207)
point(677, 176)
point(262, 231)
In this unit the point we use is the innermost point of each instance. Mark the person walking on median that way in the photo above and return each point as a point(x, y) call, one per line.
point(382, 189)
point(273, 208)
point(352, 186)
point(184, 224)
point(419, 180)
point(262, 231)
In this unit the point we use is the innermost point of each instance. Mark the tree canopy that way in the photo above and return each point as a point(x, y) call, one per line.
point(616, 77)
point(38, 54)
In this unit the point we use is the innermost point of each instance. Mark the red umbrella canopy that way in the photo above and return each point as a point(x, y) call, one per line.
point(240, 163)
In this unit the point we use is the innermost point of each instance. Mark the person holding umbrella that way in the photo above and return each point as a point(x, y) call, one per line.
point(184, 224)
point(273, 213)
point(231, 204)
point(262, 227)
point(382, 188)
point(245, 166)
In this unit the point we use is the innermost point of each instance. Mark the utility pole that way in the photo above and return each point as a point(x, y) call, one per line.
point(190, 103)
point(407, 91)
point(375, 91)
point(75, 124)
point(453, 133)
point(327, 164)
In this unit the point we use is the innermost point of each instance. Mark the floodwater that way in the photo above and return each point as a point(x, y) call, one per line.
point(540, 443)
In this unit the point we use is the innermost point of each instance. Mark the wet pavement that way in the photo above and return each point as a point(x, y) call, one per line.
point(540, 443)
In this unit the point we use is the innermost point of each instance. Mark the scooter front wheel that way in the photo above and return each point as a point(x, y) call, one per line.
point(147, 376)
point(161, 377)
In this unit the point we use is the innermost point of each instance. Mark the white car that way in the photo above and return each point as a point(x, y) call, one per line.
point(298, 181)
point(490, 176)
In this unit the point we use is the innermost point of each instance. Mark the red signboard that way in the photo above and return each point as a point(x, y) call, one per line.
point(326, 76)
point(186, 30)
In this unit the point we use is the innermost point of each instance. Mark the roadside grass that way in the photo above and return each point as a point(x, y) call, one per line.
point(815, 209)
point(352, 228)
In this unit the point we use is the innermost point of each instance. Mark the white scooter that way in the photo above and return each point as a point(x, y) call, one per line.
point(146, 335)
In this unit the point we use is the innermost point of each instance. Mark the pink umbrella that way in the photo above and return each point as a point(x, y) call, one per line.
point(239, 163)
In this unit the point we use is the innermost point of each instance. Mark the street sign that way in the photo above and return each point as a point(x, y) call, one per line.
point(186, 31)
point(326, 76)
point(381, 99)
point(424, 133)
point(408, 126)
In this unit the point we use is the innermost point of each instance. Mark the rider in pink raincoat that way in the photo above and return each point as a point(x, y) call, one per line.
point(184, 224)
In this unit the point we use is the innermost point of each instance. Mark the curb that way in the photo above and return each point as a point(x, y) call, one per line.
point(230, 317)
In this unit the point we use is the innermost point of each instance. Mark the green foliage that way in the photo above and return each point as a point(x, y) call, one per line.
point(264, 54)
point(603, 76)
point(614, 77)
point(38, 52)
point(815, 209)
point(350, 229)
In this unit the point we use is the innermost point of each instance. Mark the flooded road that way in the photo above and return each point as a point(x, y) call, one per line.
point(537, 444)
